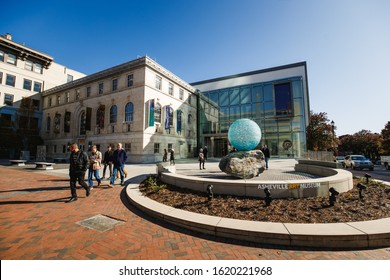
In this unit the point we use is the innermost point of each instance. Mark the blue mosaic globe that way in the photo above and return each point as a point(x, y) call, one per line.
point(244, 134)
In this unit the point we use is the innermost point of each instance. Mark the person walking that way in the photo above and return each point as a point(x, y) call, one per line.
point(107, 160)
point(119, 160)
point(95, 163)
point(266, 153)
point(165, 155)
point(172, 157)
point(78, 165)
point(205, 152)
point(201, 159)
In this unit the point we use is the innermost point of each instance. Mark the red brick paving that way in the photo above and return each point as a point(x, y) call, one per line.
point(35, 223)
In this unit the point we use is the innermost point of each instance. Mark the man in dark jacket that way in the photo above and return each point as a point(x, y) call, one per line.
point(119, 160)
point(266, 153)
point(78, 165)
point(108, 159)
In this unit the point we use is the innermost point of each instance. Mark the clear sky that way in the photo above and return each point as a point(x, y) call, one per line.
point(346, 43)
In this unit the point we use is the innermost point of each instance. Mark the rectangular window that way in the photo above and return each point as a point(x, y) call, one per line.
point(156, 148)
point(1, 56)
point(58, 99)
point(114, 84)
point(77, 94)
point(67, 96)
point(181, 94)
point(11, 59)
point(101, 88)
point(10, 80)
point(158, 82)
point(38, 68)
point(1, 78)
point(88, 91)
point(128, 147)
point(283, 99)
point(170, 89)
point(27, 84)
point(69, 78)
point(189, 99)
point(8, 99)
point(130, 80)
point(36, 104)
point(37, 87)
point(28, 65)
point(49, 102)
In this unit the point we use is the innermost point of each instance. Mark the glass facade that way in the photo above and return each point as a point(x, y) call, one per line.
point(276, 106)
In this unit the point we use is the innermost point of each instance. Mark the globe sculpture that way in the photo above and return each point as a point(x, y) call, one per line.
point(244, 134)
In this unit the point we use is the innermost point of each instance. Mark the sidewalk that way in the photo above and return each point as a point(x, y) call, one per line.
point(36, 223)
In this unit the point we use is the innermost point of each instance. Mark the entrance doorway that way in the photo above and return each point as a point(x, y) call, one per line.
point(221, 147)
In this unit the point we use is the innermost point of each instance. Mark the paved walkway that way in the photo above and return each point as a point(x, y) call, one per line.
point(36, 223)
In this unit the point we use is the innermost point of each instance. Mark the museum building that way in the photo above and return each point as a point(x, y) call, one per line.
point(277, 99)
point(148, 109)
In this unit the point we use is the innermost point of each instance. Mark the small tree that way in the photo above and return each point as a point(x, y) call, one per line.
point(320, 133)
point(386, 139)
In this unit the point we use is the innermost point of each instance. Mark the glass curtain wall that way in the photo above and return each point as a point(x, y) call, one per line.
point(276, 106)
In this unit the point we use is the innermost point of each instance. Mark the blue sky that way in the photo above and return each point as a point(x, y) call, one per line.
point(346, 43)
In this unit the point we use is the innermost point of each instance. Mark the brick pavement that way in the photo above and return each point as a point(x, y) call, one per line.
point(36, 223)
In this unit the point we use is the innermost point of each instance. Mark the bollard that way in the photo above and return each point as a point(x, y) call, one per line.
point(367, 177)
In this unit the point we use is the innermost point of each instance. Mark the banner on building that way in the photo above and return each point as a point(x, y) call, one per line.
point(178, 121)
point(167, 117)
point(151, 112)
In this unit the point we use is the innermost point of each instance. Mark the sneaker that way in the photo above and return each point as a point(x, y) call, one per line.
point(72, 199)
point(88, 191)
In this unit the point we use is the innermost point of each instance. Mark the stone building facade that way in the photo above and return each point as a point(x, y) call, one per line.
point(139, 104)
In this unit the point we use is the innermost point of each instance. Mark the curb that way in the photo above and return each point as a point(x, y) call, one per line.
point(365, 234)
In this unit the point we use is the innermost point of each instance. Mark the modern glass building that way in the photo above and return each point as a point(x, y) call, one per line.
point(277, 99)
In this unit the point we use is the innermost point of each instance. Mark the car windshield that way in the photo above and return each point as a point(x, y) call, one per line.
point(358, 158)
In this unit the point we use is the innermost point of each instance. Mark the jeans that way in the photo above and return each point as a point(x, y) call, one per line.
point(94, 173)
point(266, 162)
point(116, 169)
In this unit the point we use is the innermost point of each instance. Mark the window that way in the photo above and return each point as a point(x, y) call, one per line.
point(38, 68)
point(37, 87)
point(113, 114)
point(157, 113)
point(1, 78)
point(48, 123)
point(8, 99)
point(67, 97)
point(28, 65)
point(1, 56)
point(170, 89)
point(127, 147)
point(101, 88)
point(88, 91)
point(181, 94)
point(114, 84)
point(69, 78)
point(83, 121)
point(100, 116)
point(77, 94)
point(283, 99)
point(49, 102)
point(158, 82)
point(11, 59)
point(58, 99)
point(156, 148)
point(189, 99)
point(27, 84)
point(130, 80)
point(36, 104)
point(10, 80)
point(129, 112)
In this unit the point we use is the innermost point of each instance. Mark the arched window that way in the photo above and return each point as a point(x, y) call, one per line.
point(82, 123)
point(129, 112)
point(113, 114)
point(157, 113)
point(100, 116)
point(48, 123)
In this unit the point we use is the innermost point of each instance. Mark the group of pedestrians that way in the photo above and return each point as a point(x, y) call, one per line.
point(80, 162)
point(171, 156)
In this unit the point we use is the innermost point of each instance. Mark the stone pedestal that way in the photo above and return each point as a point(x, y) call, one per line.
point(243, 164)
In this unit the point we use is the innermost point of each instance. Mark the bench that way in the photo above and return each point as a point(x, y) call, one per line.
point(44, 165)
point(61, 160)
point(18, 162)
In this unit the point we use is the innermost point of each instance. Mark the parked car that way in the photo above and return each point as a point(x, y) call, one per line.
point(358, 162)
point(340, 159)
point(385, 160)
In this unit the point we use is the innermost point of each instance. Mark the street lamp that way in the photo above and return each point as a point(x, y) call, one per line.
point(332, 124)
